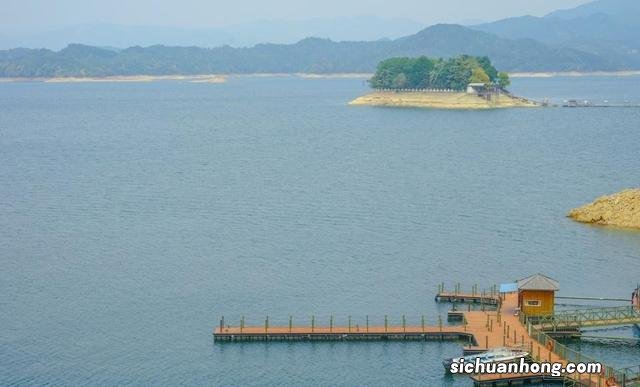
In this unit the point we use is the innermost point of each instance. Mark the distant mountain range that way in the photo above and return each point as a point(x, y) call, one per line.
point(609, 29)
point(247, 34)
point(602, 35)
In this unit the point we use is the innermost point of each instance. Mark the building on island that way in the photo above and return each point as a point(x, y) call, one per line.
point(477, 88)
point(536, 295)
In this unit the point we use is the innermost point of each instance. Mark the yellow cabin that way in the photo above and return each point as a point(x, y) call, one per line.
point(536, 295)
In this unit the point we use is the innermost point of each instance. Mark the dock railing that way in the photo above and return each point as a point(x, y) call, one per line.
point(588, 317)
point(608, 372)
point(629, 376)
point(352, 324)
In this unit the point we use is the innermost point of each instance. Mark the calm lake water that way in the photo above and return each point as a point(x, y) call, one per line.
point(134, 215)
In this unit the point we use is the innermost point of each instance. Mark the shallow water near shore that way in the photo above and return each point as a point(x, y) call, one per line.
point(134, 215)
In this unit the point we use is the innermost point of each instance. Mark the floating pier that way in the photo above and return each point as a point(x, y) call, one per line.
point(489, 300)
point(341, 334)
point(503, 325)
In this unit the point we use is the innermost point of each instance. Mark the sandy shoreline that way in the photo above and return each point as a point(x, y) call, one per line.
point(205, 78)
point(201, 78)
point(439, 100)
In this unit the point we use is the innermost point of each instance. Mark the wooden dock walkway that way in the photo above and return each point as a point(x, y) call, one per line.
point(342, 333)
point(481, 330)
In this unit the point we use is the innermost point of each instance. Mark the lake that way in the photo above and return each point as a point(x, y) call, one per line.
point(135, 215)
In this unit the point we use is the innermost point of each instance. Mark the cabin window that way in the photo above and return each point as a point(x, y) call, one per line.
point(532, 302)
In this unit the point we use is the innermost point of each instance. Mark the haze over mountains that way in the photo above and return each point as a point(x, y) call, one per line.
point(238, 35)
point(607, 28)
point(602, 35)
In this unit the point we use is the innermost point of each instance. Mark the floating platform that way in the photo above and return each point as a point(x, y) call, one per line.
point(567, 334)
point(341, 335)
point(474, 298)
point(503, 326)
point(455, 315)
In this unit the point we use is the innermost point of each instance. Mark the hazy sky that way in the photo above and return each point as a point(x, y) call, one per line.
point(45, 14)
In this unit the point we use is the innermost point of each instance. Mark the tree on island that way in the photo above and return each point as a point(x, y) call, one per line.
point(400, 81)
point(423, 72)
point(503, 80)
point(479, 76)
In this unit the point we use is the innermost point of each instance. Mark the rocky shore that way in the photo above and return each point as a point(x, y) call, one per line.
point(621, 209)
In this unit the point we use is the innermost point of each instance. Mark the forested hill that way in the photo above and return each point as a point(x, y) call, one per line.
point(437, 73)
point(309, 55)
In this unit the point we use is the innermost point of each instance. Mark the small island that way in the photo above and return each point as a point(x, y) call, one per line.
point(621, 209)
point(463, 82)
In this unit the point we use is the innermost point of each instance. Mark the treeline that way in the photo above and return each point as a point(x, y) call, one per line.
point(423, 72)
point(311, 55)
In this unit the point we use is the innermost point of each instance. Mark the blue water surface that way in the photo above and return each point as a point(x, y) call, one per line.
point(134, 215)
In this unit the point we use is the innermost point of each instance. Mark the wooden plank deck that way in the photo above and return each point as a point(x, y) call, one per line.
point(482, 329)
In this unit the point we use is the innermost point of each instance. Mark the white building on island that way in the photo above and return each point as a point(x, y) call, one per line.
point(476, 88)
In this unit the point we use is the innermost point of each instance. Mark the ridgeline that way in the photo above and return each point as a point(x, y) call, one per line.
point(311, 55)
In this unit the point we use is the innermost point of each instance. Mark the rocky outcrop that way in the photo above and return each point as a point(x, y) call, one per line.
point(621, 209)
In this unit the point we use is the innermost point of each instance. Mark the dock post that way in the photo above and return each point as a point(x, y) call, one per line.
point(266, 325)
point(241, 323)
point(349, 324)
point(531, 348)
point(385, 323)
point(367, 323)
point(486, 342)
point(221, 323)
point(440, 322)
point(487, 325)
point(422, 322)
point(404, 324)
point(331, 324)
point(313, 322)
point(491, 325)
point(504, 340)
point(290, 323)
